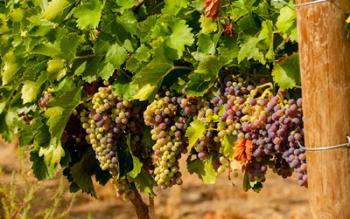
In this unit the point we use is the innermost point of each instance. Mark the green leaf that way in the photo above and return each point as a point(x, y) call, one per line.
point(149, 78)
point(286, 22)
point(55, 123)
point(123, 88)
point(198, 85)
point(107, 71)
point(80, 70)
point(89, 14)
point(40, 169)
point(207, 43)
point(137, 167)
point(47, 49)
point(266, 36)
point(227, 145)
point(210, 65)
point(128, 21)
point(69, 44)
point(194, 132)
point(250, 50)
point(116, 55)
point(204, 76)
point(126, 4)
point(287, 73)
point(81, 174)
point(144, 183)
point(180, 37)
point(204, 169)
point(174, 7)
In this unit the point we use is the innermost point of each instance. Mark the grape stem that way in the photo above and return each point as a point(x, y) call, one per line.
point(253, 92)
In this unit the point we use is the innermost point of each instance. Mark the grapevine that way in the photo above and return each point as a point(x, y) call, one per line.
point(124, 91)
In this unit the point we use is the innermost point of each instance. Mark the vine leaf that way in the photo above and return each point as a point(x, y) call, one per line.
point(180, 37)
point(116, 55)
point(89, 14)
point(144, 183)
point(243, 150)
point(54, 9)
point(227, 145)
point(69, 44)
point(10, 67)
point(286, 23)
point(208, 25)
point(30, 91)
point(204, 169)
point(204, 76)
point(81, 174)
point(149, 78)
point(107, 71)
point(194, 132)
point(249, 50)
point(173, 7)
point(39, 167)
point(287, 73)
point(137, 167)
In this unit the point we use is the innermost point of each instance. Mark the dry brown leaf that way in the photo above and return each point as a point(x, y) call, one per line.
point(228, 29)
point(211, 8)
point(243, 150)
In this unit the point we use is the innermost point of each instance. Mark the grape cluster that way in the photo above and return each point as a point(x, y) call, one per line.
point(274, 127)
point(101, 125)
point(107, 122)
point(168, 132)
point(268, 130)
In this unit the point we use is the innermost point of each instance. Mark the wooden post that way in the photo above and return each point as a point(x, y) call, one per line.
point(325, 74)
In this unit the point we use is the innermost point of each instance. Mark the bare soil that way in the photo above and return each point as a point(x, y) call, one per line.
point(279, 199)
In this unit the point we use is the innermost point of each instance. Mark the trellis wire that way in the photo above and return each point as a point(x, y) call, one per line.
point(330, 147)
point(307, 3)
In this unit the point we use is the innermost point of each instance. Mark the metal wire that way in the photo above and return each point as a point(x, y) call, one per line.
point(311, 3)
point(306, 3)
point(330, 147)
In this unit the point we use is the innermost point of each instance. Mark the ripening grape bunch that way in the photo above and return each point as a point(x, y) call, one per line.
point(267, 129)
point(107, 120)
point(168, 131)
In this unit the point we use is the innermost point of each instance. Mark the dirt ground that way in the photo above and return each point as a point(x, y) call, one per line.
point(279, 199)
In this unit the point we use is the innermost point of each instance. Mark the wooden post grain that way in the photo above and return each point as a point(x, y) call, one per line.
point(325, 74)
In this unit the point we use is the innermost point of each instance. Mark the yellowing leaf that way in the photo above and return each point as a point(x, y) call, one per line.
point(194, 132)
point(208, 25)
point(9, 68)
point(52, 154)
point(56, 68)
point(29, 91)
point(144, 92)
point(17, 14)
point(54, 8)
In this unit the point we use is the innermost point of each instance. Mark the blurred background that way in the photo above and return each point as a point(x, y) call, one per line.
point(23, 197)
